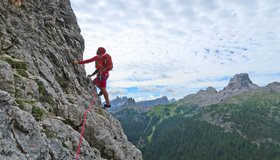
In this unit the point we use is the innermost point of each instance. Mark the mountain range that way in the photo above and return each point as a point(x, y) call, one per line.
point(238, 84)
point(239, 122)
point(120, 103)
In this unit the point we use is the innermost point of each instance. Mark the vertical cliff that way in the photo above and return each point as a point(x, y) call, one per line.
point(42, 96)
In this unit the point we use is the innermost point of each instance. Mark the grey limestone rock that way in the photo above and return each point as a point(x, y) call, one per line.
point(6, 77)
point(43, 96)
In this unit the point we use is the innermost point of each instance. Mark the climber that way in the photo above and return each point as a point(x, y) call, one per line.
point(103, 64)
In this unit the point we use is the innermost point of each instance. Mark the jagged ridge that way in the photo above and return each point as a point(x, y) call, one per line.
point(238, 84)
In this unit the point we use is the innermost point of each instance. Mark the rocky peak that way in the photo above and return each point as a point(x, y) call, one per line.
point(118, 101)
point(154, 102)
point(124, 102)
point(240, 81)
point(238, 84)
point(130, 102)
point(272, 87)
point(210, 90)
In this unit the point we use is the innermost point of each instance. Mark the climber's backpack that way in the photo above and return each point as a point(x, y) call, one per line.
point(107, 62)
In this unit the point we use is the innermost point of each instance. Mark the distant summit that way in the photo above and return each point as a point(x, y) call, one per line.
point(272, 87)
point(238, 84)
point(210, 90)
point(150, 103)
point(124, 102)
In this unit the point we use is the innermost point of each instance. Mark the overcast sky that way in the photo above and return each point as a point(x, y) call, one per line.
point(176, 47)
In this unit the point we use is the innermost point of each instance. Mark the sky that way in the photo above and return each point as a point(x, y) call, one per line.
point(177, 47)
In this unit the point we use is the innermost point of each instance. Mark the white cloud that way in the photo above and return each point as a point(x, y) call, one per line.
point(173, 43)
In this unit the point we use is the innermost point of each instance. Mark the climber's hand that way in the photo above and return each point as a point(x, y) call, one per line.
point(75, 62)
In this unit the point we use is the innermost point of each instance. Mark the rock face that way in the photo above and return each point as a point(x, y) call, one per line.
point(238, 84)
point(43, 96)
point(7, 77)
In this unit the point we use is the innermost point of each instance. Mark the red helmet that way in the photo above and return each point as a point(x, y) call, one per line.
point(101, 50)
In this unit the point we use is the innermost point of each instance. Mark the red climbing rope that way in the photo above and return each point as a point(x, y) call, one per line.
point(83, 128)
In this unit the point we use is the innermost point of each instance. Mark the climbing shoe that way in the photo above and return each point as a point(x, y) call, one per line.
point(106, 106)
point(100, 93)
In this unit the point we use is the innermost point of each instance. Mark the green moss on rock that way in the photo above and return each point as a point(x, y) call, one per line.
point(15, 63)
point(23, 73)
point(20, 103)
point(37, 112)
point(62, 81)
point(44, 95)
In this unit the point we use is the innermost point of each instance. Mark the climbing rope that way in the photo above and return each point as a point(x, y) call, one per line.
point(83, 128)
